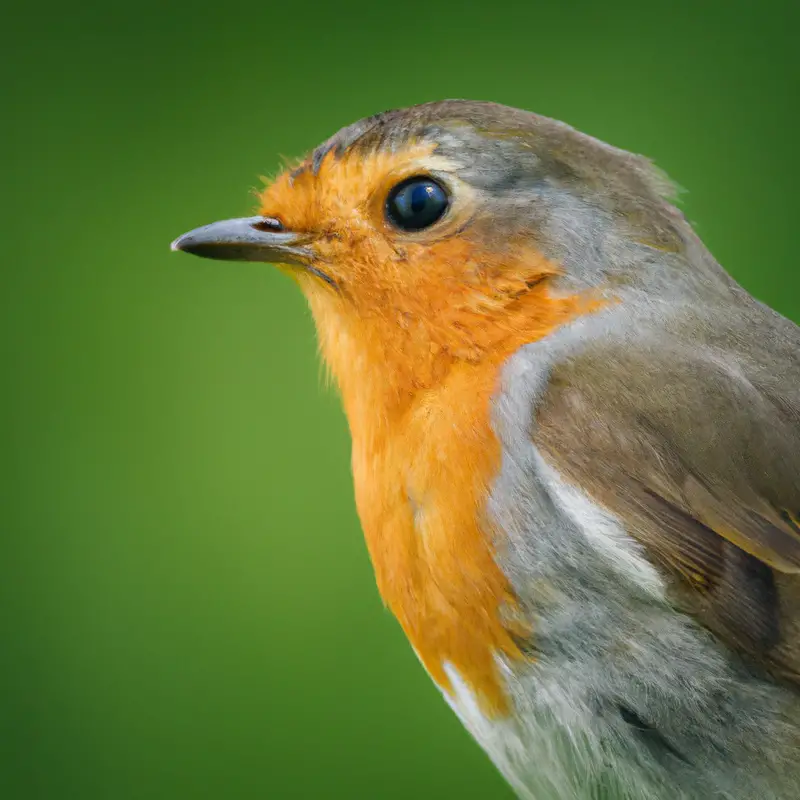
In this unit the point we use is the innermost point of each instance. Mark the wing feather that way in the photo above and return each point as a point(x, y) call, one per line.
point(702, 466)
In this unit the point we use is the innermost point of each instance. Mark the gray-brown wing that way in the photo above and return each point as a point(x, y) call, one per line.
point(698, 451)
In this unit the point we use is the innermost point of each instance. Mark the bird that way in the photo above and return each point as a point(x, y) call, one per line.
point(575, 445)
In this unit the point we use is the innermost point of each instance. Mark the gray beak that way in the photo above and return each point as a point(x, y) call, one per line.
point(246, 239)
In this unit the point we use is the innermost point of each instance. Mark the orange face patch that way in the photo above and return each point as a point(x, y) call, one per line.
point(415, 340)
point(345, 195)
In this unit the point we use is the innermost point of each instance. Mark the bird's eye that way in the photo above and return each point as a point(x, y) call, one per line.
point(416, 203)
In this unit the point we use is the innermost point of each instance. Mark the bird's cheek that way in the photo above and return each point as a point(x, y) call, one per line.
point(353, 258)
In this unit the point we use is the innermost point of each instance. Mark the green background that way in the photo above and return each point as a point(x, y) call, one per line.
point(187, 609)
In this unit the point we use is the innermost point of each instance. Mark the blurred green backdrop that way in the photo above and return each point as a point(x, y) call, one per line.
point(187, 607)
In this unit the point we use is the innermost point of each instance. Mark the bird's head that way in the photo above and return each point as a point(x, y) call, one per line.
point(443, 232)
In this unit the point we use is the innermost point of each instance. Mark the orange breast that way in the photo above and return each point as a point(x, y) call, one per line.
point(422, 478)
point(420, 494)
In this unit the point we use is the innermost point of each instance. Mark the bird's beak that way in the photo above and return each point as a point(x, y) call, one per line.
point(246, 239)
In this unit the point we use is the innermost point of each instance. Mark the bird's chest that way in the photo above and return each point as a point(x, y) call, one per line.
point(517, 593)
point(486, 569)
point(422, 485)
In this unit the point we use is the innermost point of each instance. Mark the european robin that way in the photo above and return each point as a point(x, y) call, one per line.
point(575, 446)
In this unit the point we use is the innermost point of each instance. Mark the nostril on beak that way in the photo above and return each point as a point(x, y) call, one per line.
point(268, 225)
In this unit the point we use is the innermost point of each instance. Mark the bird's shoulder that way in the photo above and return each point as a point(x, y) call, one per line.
point(684, 423)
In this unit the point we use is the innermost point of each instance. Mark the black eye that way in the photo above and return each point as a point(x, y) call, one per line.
point(416, 203)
